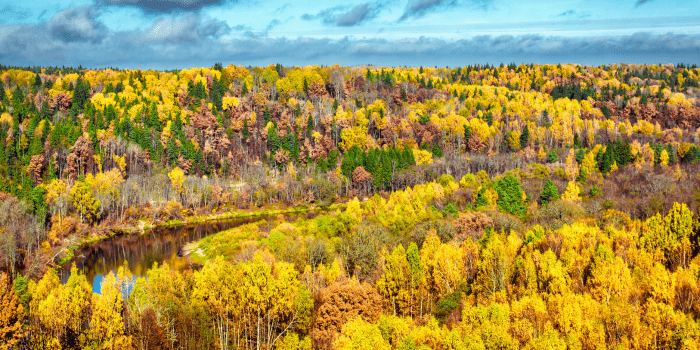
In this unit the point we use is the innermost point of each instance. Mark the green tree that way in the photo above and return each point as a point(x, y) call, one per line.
point(550, 192)
point(245, 132)
point(309, 126)
point(524, 136)
point(510, 196)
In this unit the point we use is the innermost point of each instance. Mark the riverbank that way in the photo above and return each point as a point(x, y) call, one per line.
point(145, 225)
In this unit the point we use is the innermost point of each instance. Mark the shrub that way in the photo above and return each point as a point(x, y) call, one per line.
point(472, 224)
point(557, 213)
point(505, 222)
point(450, 210)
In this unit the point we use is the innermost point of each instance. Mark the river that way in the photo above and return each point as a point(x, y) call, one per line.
point(141, 251)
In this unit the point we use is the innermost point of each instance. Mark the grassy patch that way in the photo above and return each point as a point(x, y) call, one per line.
point(225, 243)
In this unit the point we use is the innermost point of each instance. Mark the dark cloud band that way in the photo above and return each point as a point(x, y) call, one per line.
point(341, 16)
point(35, 45)
point(163, 6)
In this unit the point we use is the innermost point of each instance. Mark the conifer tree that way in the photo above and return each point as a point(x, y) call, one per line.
point(245, 131)
point(266, 116)
point(549, 192)
point(510, 196)
point(273, 140)
point(309, 126)
point(525, 136)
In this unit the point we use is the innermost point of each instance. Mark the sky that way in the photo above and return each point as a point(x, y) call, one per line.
point(177, 34)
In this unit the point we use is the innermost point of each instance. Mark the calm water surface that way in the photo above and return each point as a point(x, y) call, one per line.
point(140, 252)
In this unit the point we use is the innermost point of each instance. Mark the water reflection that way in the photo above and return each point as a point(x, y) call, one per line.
point(140, 252)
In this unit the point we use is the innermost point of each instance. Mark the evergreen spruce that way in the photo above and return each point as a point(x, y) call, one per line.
point(525, 136)
point(510, 196)
point(549, 192)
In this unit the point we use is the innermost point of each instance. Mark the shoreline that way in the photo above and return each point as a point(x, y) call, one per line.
point(68, 252)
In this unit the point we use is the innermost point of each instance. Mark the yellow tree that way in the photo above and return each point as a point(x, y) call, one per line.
point(611, 278)
point(273, 302)
point(572, 192)
point(177, 179)
point(106, 187)
point(571, 168)
point(447, 268)
point(57, 196)
point(670, 233)
point(496, 265)
point(46, 299)
point(76, 300)
point(83, 201)
point(394, 284)
point(357, 334)
point(107, 325)
point(664, 158)
point(215, 291)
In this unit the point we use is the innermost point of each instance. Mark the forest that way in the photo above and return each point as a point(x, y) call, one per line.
point(478, 207)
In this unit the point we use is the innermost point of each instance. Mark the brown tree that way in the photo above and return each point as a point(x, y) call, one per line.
point(152, 335)
point(340, 302)
point(475, 144)
point(62, 101)
point(361, 177)
point(472, 224)
point(35, 167)
point(11, 314)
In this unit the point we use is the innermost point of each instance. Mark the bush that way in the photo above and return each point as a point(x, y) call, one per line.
point(359, 248)
point(557, 213)
point(472, 224)
point(445, 180)
point(505, 222)
point(450, 210)
point(171, 211)
point(443, 228)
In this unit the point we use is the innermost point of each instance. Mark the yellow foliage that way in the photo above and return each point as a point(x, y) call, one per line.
point(177, 179)
point(354, 136)
point(422, 156)
point(121, 162)
point(5, 118)
point(664, 158)
point(572, 192)
point(229, 102)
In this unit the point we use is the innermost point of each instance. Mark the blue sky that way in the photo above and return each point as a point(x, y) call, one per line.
point(169, 34)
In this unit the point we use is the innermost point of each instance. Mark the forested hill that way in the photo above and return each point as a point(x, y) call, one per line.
point(540, 206)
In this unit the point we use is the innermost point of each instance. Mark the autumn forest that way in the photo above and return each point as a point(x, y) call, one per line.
point(478, 207)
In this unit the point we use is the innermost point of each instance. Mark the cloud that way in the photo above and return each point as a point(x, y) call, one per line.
point(573, 14)
point(163, 6)
point(195, 41)
point(185, 29)
point(282, 8)
point(77, 24)
point(641, 2)
point(567, 13)
point(14, 13)
point(419, 8)
point(274, 23)
point(341, 16)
